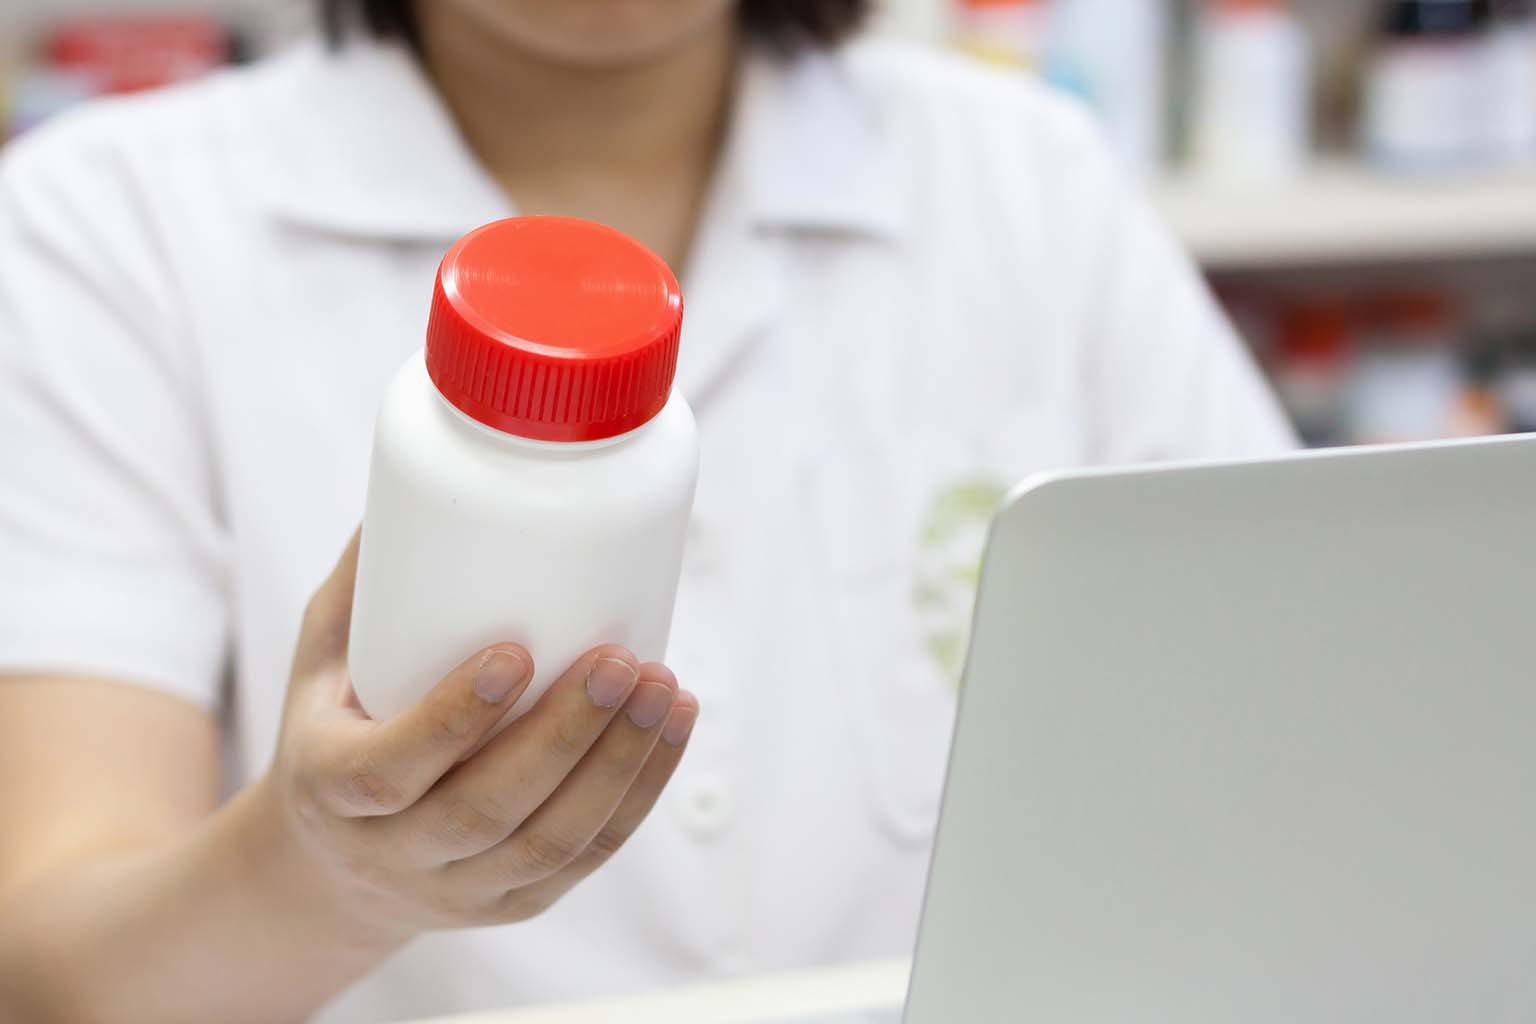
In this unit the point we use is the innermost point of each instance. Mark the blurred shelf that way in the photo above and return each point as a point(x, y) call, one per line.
point(1339, 214)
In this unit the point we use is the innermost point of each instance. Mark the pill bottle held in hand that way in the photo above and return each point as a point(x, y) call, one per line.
point(533, 470)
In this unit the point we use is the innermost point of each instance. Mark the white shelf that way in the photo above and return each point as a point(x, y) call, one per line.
point(1339, 214)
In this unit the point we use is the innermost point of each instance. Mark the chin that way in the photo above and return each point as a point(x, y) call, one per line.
point(594, 32)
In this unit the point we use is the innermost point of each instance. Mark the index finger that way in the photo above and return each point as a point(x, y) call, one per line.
point(364, 768)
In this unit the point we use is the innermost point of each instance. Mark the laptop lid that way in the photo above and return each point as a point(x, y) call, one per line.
point(1248, 742)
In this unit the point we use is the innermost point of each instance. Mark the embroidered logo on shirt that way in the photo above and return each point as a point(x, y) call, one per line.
point(949, 568)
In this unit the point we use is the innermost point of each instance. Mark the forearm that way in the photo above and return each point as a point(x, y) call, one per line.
point(224, 923)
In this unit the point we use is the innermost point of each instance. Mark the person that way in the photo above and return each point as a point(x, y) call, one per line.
point(910, 280)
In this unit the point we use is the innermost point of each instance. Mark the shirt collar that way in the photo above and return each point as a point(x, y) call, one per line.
point(357, 142)
point(811, 150)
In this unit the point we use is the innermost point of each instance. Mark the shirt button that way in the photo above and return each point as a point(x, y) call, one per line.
point(706, 807)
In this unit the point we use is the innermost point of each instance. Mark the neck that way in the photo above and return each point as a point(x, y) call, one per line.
point(564, 136)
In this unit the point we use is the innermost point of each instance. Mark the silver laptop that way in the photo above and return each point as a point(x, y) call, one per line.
point(1250, 742)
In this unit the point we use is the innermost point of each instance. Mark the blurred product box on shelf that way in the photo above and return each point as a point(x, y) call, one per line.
point(77, 58)
point(1394, 366)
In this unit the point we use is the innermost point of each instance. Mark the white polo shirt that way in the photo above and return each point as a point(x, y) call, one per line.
point(916, 282)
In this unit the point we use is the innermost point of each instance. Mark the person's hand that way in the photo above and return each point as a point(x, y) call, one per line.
point(418, 822)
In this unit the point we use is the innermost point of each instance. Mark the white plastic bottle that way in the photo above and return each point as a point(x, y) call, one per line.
point(533, 471)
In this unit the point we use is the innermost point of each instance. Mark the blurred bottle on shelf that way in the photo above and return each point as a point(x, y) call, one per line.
point(1424, 85)
point(1311, 366)
point(1480, 409)
point(1509, 85)
point(1007, 32)
point(1407, 384)
point(1516, 383)
point(1252, 93)
point(81, 57)
point(1113, 53)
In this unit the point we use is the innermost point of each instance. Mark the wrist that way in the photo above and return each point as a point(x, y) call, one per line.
point(287, 876)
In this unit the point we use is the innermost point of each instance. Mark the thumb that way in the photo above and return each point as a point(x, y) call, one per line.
point(328, 617)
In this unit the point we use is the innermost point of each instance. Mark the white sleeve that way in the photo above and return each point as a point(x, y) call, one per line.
point(111, 548)
point(1165, 376)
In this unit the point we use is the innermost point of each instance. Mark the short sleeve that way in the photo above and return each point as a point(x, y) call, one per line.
point(1165, 376)
point(112, 552)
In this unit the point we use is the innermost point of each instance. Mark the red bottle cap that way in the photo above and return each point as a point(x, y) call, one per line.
point(554, 328)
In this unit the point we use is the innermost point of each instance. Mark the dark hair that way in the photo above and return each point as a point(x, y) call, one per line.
point(782, 23)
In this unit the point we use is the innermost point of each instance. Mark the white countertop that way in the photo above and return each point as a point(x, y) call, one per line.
point(777, 998)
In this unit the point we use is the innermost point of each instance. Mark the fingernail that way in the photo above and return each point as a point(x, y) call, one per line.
point(679, 724)
point(500, 673)
point(609, 681)
point(648, 704)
